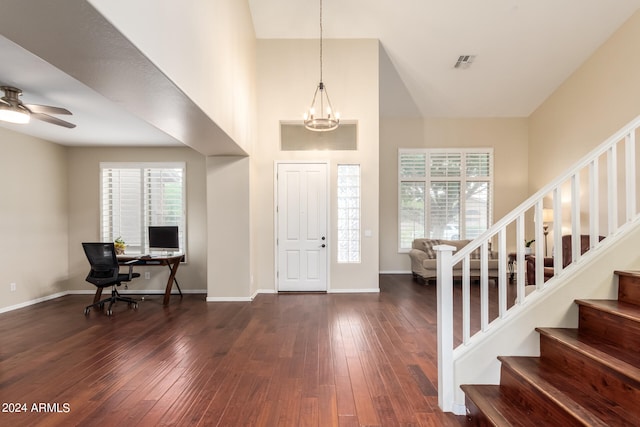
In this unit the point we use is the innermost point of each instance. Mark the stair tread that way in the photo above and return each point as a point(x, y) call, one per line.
point(590, 408)
point(619, 360)
point(619, 308)
point(498, 409)
point(628, 273)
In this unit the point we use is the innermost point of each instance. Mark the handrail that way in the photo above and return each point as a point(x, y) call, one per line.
point(511, 231)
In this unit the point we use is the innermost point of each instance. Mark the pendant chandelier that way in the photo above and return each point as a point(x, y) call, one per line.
point(320, 117)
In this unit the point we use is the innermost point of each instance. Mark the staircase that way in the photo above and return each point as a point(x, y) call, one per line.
point(588, 376)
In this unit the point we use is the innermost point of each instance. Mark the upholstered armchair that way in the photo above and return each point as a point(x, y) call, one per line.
point(548, 262)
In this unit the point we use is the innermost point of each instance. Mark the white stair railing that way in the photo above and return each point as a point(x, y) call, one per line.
point(590, 189)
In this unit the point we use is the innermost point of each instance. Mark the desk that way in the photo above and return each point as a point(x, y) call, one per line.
point(172, 261)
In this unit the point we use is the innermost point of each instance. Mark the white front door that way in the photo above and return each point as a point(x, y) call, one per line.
point(302, 227)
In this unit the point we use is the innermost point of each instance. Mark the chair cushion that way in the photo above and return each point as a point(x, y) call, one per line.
point(125, 277)
point(428, 245)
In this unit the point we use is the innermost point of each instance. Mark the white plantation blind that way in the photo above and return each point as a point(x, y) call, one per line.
point(444, 194)
point(137, 195)
point(413, 165)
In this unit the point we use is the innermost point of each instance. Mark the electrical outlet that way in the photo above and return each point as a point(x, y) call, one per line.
point(147, 275)
point(12, 286)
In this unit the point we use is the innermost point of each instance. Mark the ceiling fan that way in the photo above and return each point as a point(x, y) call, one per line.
point(14, 111)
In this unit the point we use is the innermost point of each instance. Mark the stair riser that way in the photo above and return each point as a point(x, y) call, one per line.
point(593, 376)
point(525, 395)
point(618, 330)
point(477, 416)
point(629, 289)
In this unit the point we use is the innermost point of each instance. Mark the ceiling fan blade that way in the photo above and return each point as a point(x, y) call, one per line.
point(53, 120)
point(47, 109)
point(3, 102)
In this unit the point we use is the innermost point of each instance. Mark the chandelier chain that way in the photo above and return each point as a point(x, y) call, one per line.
point(320, 41)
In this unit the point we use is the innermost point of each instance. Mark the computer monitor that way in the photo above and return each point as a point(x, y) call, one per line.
point(164, 238)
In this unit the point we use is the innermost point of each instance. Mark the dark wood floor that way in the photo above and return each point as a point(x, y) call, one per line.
point(290, 360)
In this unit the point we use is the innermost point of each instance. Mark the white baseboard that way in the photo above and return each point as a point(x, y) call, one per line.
point(263, 291)
point(459, 409)
point(229, 299)
point(92, 292)
point(32, 302)
point(354, 291)
point(139, 292)
point(161, 292)
point(395, 272)
point(174, 291)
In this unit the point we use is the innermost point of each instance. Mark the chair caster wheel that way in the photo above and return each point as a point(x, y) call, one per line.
point(109, 312)
point(86, 311)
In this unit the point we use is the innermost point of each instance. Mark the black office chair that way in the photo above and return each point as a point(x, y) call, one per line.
point(105, 271)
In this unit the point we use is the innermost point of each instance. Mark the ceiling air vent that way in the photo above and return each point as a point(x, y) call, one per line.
point(464, 61)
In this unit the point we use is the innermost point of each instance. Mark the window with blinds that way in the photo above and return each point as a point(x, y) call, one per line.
point(444, 194)
point(137, 195)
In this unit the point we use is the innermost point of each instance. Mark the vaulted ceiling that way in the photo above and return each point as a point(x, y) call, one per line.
point(523, 51)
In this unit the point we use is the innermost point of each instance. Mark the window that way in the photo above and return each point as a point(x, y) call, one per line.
point(444, 194)
point(137, 195)
point(348, 213)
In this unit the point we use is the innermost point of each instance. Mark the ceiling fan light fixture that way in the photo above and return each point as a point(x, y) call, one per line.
point(322, 119)
point(13, 115)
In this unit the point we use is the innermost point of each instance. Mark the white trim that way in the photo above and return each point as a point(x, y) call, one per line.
point(354, 291)
point(262, 291)
point(32, 302)
point(161, 292)
point(158, 291)
point(92, 292)
point(459, 409)
point(139, 291)
point(229, 299)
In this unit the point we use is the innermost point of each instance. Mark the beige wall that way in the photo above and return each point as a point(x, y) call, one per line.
point(84, 212)
point(228, 234)
point(507, 137)
point(287, 76)
point(33, 218)
point(597, 100)
point(206, 47)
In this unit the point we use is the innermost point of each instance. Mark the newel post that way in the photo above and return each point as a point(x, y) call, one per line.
point(445, 326)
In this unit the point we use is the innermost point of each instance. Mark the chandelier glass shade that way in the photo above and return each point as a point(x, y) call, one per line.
point(321, 117)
